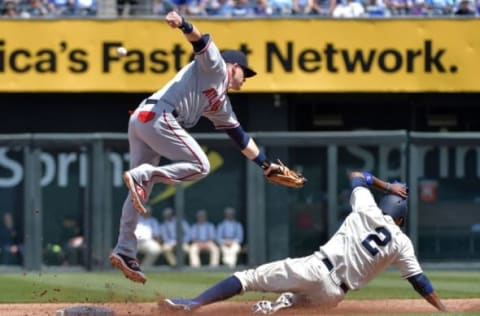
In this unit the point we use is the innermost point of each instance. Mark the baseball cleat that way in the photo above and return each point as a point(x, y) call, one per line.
point(129, 266)
point(137, 192)
point(181, 304)
point(267, 307)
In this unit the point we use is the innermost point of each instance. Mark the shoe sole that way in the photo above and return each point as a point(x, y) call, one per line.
point(136, 200)
point(135, 276)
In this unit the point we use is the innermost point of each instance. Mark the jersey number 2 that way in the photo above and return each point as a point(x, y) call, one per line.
point(376, 238)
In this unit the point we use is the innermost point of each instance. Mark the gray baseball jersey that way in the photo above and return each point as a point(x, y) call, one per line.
point(156, 129)
point(364, 245)
point(200, 89)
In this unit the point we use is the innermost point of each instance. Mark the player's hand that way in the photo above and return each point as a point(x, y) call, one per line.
point(399, 189)
point(273, 166)
point(174, 19)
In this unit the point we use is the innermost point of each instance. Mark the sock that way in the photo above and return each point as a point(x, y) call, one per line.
point(223, 290)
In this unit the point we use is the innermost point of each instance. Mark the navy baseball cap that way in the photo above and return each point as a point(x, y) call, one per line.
point(238, 57)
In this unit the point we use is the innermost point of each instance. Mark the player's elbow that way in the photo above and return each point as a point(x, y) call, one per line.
point(355, 174)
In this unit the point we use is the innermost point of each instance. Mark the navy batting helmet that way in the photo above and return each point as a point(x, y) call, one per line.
point(395, 206)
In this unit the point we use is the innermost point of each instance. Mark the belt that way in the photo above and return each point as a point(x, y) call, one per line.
point(153, 101)
point(329, 266)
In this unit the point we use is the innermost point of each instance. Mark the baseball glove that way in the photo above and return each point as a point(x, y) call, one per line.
point(286, 177)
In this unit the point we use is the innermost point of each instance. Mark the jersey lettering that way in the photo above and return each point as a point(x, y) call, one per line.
point(213, 99)
point(375, 238)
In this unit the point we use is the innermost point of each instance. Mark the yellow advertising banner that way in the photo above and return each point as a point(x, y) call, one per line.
point(304, 55)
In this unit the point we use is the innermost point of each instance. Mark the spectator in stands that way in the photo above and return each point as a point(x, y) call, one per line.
point(10, 243)
point(63, 8)
point(465, 8)
point(10, 9)
point(203, 236)
point(181, 6)
point(377, 8)
point(230, 237)
point(168, 230)
point(302, 7)
point(419, 8)
point(162, 7)
point(242, 8)
point(34, 9)
point(126, 7)
point(399, 7)
point(324, 7)
point(281, 7)
point(440, 7)
point(219, 7)
point(71, 241)
point(148, 238)
point(262, 8)
point(197, 8)
point(348, 9)
point(88, 7)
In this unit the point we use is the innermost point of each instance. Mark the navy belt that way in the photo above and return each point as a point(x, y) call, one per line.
point(153, 101)
point(329, 266)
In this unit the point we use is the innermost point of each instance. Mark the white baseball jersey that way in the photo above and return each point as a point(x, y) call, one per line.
point(200, 89)
point(368, 242)
point(364, 245)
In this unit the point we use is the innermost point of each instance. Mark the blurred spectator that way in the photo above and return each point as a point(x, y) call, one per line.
point(148, 238)
point(203, 235)
point(302, 7)
point(196, 8)
point(377, 8)
point(181, 6)
point(34, 9)
point(419, 8)
point(168, 230)
point(230, 238)
point(348, 9)
point(10, 243)
point(63, 8)
point(219, 7)
point(465, 8)
point(162, 7)
point(126, 7)
point(399, 7)
point(72, 242)
point(86, 7)
point(324, 7)
point(262, 8)
point(281, 7)
point(242, 8)
point(10, 9)
point(440, 7)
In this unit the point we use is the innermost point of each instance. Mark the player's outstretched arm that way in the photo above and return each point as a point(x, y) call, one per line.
point(433, 299)
point(422, 285)
point(175, 20)
point(393, 188)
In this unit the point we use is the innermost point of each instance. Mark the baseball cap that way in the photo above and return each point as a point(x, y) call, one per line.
point(238, 57)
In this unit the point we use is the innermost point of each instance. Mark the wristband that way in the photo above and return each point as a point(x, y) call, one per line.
point(368, 178)
point(387, 188)
point(186, 26)
point(262, 161)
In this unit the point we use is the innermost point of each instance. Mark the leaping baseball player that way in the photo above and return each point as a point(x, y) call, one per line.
point(369, 240)
point(156, 129)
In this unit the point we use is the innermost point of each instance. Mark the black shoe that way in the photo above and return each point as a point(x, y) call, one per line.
point(129, 266)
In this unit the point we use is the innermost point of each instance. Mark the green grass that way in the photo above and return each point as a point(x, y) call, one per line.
point(112, 286)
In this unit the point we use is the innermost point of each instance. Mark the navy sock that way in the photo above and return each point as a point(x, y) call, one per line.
point(223, 290)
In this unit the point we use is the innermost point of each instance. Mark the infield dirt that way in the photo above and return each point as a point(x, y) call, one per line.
point(347, 307)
